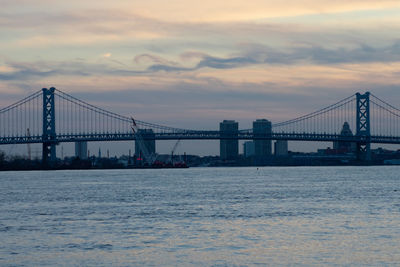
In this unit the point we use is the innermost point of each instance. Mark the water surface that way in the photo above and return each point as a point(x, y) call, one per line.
point(201, 217)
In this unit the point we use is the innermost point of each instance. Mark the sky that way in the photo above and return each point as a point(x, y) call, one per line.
point(191, 64)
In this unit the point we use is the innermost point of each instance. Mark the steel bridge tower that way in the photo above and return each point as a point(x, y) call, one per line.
point(49, 126)
point(363, 127)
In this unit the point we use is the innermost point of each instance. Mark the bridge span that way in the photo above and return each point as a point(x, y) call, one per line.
point(51, 116)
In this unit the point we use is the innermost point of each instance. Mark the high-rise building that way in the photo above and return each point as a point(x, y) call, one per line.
point(229, 147)
point(149, 142)
point(281, 148)
point(81, 150)
point(262, 148)
point(248, 149)
point(343, 146)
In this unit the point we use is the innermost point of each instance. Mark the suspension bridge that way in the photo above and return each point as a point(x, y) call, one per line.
point(51, 116)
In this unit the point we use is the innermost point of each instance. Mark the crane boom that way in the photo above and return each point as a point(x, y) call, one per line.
point(173, 150)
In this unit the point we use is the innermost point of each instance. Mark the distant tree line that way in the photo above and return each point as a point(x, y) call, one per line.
point(17, 163)
point(2, 158)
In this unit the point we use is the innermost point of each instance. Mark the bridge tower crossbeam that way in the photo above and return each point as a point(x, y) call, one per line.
point(363, 127)
point(49, 126)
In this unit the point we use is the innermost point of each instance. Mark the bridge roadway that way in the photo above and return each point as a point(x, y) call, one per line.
point(200, 135)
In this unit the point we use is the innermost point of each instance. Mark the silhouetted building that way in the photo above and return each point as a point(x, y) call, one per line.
point(281, 148)
point(81, 150)
point(248, 149)
point(229, 147)
point(343, 146)
point(262, 148)
point(149, 142)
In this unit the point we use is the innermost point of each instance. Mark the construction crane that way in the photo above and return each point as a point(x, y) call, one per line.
point(28, 134)
point(173, 150)
point(150, 158)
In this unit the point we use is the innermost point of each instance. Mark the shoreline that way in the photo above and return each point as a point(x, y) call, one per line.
point(219, 166)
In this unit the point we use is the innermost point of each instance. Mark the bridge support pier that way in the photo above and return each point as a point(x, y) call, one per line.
point(49, 127)
point(363, 127)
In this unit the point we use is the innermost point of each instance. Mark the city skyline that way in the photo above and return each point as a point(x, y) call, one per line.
point(192, 65)
point(68, 119)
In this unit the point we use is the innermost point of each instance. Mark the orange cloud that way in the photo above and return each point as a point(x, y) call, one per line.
point(239, 10)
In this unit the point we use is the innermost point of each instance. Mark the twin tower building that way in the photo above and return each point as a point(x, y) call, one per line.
point(259, 149)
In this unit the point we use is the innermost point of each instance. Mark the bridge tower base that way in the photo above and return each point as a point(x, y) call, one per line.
point(363, 127)
point(49, 127)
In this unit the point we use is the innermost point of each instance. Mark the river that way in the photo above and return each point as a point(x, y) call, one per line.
point(302, 216)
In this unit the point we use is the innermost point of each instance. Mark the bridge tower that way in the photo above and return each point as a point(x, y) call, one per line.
point(49, 126)
point(363, 127)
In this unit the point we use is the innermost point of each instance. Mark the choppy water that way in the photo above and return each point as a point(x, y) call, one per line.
point(201, 216)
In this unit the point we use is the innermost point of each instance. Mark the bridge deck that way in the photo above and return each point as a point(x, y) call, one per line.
point(201, 135)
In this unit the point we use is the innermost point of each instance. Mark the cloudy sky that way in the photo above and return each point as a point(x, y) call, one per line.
point(191, 64)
